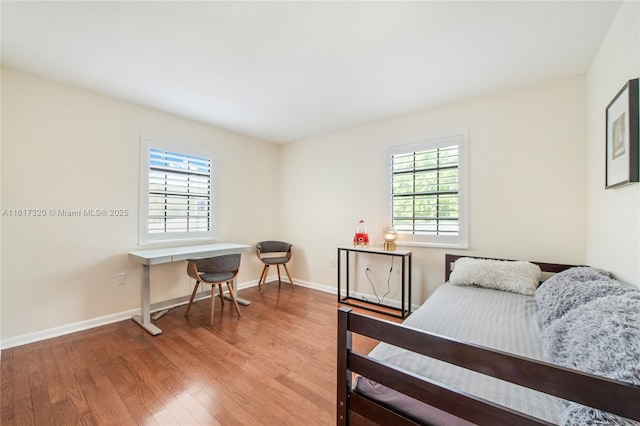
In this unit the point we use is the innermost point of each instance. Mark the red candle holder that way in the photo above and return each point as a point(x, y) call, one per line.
point(361, 239)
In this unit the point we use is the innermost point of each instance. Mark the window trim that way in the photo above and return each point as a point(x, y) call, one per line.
point(460, 241)
point(144, 236)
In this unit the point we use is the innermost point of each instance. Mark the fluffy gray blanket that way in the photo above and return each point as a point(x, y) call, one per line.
point(591, 323)
point(572, 288)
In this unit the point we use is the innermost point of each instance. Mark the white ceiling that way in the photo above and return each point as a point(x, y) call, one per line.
point(287, 71)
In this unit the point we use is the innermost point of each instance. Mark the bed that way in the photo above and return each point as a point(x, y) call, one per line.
point(440, 367)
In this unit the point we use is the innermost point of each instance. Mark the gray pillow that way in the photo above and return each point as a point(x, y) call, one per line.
point(580, 273)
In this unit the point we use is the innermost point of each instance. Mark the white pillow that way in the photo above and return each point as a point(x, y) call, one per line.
point(515, 276)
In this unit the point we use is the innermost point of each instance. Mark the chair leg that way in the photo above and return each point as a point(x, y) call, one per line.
point(233, 297)
point(289, 275)
point(263, 277)
point(195, 290)
point(220, 294)
point(213, 303)
point(279, 281)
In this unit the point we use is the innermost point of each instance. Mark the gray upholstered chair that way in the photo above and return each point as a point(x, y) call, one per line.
point(212, 271)
point(274, 253)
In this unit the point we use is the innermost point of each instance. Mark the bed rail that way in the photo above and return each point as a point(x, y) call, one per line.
point(587, 389)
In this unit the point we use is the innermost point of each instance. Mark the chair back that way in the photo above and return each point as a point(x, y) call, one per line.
point(224, 263)
point(273, 247)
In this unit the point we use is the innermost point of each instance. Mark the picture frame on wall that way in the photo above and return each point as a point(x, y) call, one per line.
point(622, 137)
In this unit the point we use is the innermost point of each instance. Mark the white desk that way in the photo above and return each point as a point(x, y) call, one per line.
point(173, 254)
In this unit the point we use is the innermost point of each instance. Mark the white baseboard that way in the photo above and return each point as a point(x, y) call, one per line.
point(103, 320)
point(66, 329)
point(315, 286)
point(355, 295)
point(121, 316)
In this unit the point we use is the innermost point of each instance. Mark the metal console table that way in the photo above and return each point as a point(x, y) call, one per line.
point(405, 304)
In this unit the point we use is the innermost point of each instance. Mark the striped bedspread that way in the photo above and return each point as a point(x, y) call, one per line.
point(497, 319)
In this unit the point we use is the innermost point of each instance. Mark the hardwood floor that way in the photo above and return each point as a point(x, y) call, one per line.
point(273, 366)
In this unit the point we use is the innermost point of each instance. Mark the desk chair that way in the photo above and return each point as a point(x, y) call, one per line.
point(212, 271)
point(274, 253)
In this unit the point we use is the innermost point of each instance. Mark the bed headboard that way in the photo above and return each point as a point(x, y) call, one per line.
point(549, 268)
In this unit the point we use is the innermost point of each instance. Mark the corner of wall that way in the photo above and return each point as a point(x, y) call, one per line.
point(613, 215)
point(0, 192)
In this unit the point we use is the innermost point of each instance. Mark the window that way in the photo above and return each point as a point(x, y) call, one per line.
point(177, 192)
point(428, 192)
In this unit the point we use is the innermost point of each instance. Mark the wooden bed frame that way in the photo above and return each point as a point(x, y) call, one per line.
point(355, 409)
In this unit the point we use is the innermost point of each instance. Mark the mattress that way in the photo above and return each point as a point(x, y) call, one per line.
point(493, 318)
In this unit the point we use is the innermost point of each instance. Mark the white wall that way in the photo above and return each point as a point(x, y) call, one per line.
point(537, 188)
point(613, 241)
point(67, 148)
point(0, 201)
point(527, 181)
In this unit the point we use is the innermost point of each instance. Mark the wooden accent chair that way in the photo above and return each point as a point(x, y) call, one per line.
point(274, 253)
point(212, 271)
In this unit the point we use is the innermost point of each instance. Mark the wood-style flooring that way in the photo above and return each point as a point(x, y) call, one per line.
point(273, 366)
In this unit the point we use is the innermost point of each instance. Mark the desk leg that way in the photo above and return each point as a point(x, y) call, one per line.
point(243, 302)
point(144, 319)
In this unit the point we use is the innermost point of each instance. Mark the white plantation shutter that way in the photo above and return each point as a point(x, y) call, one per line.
point(428, 192)
point(425, 191)
point(178, 193)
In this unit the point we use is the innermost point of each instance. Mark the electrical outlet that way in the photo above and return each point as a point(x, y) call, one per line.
point(121, 278)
